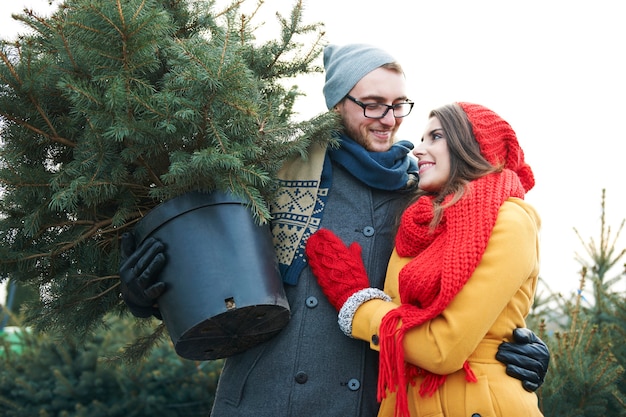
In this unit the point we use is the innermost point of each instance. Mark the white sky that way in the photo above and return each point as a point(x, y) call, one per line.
point(553, 68)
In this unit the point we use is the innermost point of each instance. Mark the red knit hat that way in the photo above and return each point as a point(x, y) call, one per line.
point(498, 142)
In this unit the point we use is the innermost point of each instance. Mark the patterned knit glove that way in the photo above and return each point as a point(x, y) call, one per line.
point(339, 269)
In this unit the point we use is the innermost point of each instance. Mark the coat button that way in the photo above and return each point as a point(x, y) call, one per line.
point(301, 377)
point(368, 231)
point(375, 340)
point(354, 384)
point(475, 415)
point(311, 302)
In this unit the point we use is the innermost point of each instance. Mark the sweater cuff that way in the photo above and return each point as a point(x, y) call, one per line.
point(349, 308)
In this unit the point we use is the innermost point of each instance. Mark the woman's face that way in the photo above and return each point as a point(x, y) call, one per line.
point(433, 158)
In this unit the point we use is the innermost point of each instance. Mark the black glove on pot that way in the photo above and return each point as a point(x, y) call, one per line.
point(139, 272)
point(527, 359)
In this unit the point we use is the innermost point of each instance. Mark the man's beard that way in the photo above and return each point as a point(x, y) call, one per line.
point(358, 137)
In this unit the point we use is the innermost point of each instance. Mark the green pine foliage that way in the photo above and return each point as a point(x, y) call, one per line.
point(586, 338)
point(585, 376)
point(48, 378)
point(17, 295)
point(619, 335)
point(112, 106)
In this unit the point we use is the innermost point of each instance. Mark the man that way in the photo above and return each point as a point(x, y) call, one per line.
point(357, 191)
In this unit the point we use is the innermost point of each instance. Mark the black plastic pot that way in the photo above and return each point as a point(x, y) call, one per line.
point(224, 292)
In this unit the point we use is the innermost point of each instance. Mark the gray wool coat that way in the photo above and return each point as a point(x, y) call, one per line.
point(311, 368)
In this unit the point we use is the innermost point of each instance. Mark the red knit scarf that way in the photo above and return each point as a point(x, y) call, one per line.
point(442, 263)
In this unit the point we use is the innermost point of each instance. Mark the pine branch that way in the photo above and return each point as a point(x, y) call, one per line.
point(112, 107)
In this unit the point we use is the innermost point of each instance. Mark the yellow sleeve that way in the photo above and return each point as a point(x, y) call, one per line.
point(369, 315)
point(503, 284)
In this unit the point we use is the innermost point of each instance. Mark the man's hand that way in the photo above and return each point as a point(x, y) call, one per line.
point(527, 359)
point(139, 271)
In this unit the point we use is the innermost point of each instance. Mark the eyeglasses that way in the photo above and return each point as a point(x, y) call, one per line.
point(380, 110)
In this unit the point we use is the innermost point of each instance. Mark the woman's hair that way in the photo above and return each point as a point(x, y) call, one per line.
point(466, 161)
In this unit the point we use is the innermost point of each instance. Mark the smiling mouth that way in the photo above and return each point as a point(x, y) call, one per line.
point(425, 166)
point(381, 133)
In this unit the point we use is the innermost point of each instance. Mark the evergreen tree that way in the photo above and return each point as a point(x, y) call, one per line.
point(586, 375)
point(47, 378)
point(17, 295)
point(603, 257)
point(608, 310)
point(112, 106)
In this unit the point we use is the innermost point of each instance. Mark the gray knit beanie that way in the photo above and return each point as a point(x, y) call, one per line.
point(346, 65)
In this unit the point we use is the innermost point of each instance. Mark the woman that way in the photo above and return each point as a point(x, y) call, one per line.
point(463, 273)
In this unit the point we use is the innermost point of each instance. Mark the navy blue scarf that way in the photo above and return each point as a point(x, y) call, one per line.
point(391, 170)
point(299, 209)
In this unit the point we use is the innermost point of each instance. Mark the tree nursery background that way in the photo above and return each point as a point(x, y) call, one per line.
point(110, 107)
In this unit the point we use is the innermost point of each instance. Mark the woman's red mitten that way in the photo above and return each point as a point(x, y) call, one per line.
point(339, 269)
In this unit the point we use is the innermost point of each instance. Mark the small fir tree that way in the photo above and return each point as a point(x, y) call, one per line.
point(603, 257)
point(110, 107)
point(47, 378)
point(586, 375)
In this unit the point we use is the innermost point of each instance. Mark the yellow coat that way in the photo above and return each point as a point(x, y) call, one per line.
point(495, 300)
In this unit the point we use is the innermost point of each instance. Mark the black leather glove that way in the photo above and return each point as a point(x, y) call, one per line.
point(527, 359)
point(139, 272)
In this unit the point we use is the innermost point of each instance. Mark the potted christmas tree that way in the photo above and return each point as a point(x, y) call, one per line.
point(111, 109)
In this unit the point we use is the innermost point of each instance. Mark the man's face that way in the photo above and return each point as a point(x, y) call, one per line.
point(379, 86)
